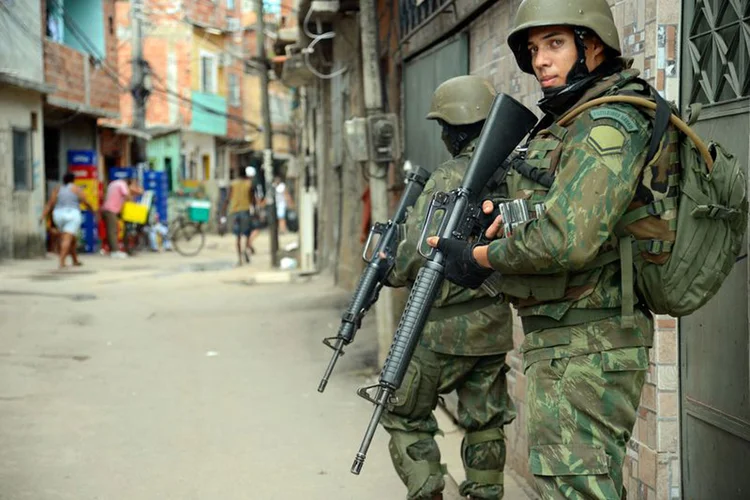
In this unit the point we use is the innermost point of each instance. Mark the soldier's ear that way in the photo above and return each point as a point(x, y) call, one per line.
point(594, 46)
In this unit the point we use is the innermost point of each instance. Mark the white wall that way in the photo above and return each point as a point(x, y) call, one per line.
point(20, 233)
point(194, 146)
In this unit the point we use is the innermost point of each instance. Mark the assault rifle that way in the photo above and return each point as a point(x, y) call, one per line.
point(508, 122)
point(379, 264)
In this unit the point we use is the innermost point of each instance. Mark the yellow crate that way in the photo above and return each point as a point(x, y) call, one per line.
point(134, 212)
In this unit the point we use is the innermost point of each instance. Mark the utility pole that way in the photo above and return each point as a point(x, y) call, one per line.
point(378, 171)
point(267, 134)
point(138, 83)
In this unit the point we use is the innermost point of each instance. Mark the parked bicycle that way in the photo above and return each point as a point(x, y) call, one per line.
point(186, 231)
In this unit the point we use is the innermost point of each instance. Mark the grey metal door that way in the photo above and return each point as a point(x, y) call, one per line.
point(422, 76)
point(715, 362)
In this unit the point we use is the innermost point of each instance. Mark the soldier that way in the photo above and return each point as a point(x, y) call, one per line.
point(585, 349)
point(464, 343)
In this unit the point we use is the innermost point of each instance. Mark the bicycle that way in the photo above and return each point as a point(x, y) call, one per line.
point(187, 237)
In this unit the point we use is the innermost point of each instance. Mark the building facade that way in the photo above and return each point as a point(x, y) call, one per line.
point(80, 61)
point(22, 95)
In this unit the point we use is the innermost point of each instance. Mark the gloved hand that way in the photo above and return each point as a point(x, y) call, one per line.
point(461, 267)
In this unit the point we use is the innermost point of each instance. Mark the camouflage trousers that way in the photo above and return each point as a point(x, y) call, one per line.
point(581, 412)
point(484, 407)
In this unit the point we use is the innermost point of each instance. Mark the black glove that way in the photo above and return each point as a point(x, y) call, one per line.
point(461, 267)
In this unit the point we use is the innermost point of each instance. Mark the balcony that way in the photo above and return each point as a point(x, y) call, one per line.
point(80, 57)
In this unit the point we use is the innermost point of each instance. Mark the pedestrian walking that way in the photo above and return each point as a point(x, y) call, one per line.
point(284, 203)
point(239, 200)
point(64, 203)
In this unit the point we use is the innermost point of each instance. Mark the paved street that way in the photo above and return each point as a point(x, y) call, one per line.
point(162, 377)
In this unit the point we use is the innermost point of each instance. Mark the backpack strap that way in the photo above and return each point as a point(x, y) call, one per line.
point(661, 122)
point(644, 103)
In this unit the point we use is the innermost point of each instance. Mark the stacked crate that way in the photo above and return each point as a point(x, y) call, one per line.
point(157, 183)
point(82, 164)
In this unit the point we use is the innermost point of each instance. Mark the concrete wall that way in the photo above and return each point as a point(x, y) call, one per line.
point(20, 40)
point(21, 235)
point(194, 147)
point(80, 133)
point(649, 34)
point(346, 101)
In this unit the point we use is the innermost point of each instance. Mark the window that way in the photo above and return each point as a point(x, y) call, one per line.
point(280, 110)
point(208, 73)
point(22, 160)
point(230, 4)
point(55, 25)
point(234, 91)
point(719, 50)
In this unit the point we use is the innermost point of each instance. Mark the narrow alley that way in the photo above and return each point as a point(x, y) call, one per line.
point(162, 377)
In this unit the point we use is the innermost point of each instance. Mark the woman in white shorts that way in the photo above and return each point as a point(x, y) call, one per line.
point(66, 214)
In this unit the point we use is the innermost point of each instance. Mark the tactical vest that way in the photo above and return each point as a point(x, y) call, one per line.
point(651, 215)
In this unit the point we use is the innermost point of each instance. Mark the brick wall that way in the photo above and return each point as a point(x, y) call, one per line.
point(649, 34)
point(66, 69)
point(168, 38)
point(207, 12)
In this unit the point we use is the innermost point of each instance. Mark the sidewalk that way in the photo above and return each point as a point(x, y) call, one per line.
point(218, 255)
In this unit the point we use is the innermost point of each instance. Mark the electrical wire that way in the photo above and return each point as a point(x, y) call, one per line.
point(317, 38)
point(228, 116)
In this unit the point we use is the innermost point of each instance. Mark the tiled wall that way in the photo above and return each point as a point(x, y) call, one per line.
point(650, 35)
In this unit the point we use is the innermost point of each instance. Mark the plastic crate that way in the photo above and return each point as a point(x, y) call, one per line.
point(134, 212)
point(199, 211)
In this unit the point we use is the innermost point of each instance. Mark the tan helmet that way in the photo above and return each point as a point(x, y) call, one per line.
point(592, 14)
point(462, 100)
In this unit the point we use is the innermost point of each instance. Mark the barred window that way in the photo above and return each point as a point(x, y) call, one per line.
point(22, 179)
point(719, 51)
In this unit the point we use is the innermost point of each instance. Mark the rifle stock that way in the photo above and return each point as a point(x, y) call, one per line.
point(374, 275)
point(507, 123)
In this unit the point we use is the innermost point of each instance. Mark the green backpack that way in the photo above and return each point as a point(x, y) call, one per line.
point(679, 270)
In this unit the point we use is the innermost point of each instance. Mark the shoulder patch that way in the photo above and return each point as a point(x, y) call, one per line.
point(606, 140)
point(616, 115)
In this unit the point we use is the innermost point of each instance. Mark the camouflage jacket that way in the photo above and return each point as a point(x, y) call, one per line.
point(550, 263)
point(485, 331)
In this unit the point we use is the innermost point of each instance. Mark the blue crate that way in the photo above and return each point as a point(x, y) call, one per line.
point(81, 157)
point(121, 173)
point(88, 218)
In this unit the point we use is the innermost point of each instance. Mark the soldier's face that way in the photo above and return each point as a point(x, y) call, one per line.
point(553, 54)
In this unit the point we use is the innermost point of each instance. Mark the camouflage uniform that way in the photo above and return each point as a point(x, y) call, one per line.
point(585, 368)
point(462, 348)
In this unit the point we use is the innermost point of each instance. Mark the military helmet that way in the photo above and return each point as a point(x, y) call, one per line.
point(462, 100)
point(592, 14)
